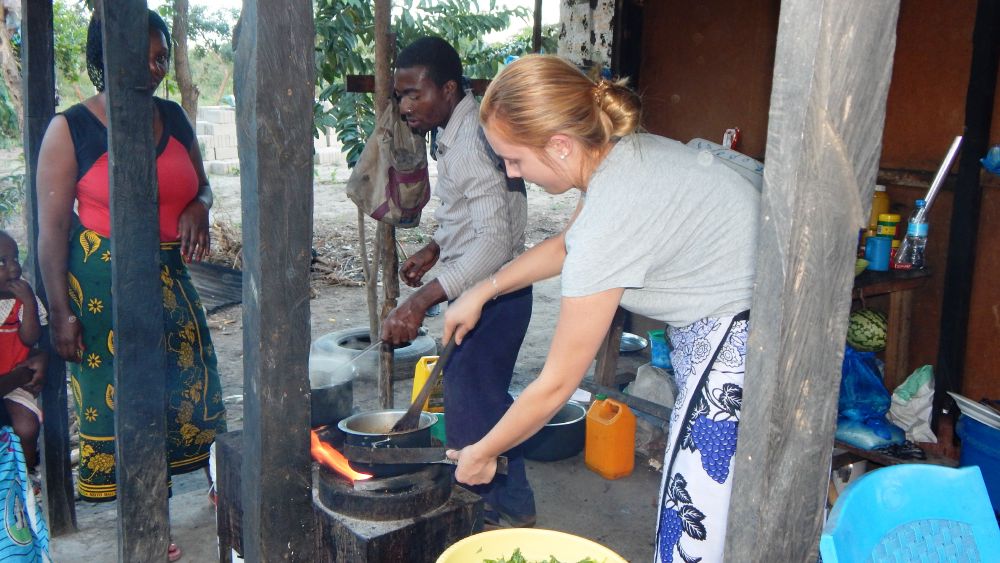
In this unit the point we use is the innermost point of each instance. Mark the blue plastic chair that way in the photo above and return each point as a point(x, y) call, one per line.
point(913, 512)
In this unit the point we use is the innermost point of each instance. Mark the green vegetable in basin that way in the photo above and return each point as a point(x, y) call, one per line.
point(516, 557)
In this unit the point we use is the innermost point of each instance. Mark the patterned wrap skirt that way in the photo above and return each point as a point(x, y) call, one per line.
point(709, 359)
point(195, 412)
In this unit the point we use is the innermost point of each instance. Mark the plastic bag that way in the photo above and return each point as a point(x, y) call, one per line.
point(862, 393)
point(912, 403)
point(991, 162)
point(863, 404)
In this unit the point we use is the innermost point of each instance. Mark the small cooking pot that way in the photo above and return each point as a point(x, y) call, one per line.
point(561, 438)
point(374, 429)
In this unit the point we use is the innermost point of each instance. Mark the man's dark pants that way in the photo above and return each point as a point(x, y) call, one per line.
point(476, 379)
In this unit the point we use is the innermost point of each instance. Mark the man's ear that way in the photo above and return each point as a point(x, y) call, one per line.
point(450, 88)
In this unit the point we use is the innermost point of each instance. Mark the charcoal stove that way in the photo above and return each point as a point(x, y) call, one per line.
point(412, 517)
point(385, 498)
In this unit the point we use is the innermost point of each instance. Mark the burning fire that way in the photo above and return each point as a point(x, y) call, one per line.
point(326, 455)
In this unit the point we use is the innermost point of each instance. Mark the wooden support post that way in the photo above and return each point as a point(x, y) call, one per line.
point(831, 76)
point(607, 354)
point(38, 69)
point(384, 50)
point(140, 377)
point(957, 292)
point(390, 291)
point(275, 75)
point(536, 28)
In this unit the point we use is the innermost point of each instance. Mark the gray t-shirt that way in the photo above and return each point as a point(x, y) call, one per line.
point(676, 228)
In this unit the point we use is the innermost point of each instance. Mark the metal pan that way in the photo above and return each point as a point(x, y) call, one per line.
point(373, 430)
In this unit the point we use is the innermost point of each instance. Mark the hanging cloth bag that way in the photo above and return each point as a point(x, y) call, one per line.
point(390, 181)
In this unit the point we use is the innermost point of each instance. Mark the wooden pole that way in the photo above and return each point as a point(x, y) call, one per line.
point(831, 76)
point(275, 83)
point(958, 272)
point(38, 68)
point(384, 49)
point(536, 28)
point(140, 376)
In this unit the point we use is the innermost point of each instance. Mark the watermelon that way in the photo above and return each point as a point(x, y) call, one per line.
point(866, 330)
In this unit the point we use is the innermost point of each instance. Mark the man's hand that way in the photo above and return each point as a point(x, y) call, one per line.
point(402, 324)
point(193, 228)
point(412, 271)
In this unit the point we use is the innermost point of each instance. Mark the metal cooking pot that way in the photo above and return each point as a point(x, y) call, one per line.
point(332, 403)
point(561, 438)
point(373, 429)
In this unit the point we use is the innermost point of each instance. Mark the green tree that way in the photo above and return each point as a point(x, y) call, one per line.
point(345, 45)
point(69, 24)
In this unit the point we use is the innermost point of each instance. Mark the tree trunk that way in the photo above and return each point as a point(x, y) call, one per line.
point(10, 70)
point(189, 92)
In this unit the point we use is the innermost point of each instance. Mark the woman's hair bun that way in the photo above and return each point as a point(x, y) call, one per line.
point(622, 106)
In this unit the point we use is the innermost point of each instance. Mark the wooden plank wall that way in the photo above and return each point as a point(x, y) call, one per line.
point(275, 86)
point(831, 77)
point(140, 380)
point(38, 70)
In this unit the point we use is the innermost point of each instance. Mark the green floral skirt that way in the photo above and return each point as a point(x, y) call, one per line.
point(195, 413)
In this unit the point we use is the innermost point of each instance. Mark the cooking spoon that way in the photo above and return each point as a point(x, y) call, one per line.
point(353, 360)
point(411, 419)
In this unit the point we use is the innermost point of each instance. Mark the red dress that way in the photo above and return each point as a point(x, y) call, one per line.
point(12, 350)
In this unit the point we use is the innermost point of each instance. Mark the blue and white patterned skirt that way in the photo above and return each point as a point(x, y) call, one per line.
point(709, 358)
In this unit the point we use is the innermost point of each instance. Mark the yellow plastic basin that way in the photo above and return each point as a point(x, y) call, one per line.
point(535, 545)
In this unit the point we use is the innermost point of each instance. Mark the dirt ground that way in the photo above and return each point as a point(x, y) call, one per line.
point(339, 299)
point(620, 514)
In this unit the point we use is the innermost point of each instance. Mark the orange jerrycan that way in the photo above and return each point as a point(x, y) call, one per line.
point(610, 446)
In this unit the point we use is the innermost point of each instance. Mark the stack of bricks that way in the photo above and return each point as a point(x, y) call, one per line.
point(216, 130)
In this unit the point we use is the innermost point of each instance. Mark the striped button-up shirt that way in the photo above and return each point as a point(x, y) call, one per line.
point(480, 221)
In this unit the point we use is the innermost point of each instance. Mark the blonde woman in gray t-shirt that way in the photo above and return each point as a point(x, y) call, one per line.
point(661, 230)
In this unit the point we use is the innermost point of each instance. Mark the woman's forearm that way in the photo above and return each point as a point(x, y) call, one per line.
point(541, 262)
point(53, 252)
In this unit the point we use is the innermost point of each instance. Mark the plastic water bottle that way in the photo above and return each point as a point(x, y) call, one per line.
point(910, 255)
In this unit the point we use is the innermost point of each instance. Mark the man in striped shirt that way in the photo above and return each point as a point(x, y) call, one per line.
point(481, 222)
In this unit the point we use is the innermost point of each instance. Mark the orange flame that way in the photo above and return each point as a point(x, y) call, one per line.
point(326, 455)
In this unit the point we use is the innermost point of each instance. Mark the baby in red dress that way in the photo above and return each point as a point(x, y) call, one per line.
point(22, 368)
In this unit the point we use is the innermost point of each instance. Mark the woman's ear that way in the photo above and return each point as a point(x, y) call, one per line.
point(561, 146)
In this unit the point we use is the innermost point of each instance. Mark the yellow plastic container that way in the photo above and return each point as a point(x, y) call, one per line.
point(880, 205)
point(610, 445)
point(434, 403)
point(535, 545)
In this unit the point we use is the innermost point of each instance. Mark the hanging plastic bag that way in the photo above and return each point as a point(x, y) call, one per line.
point(991, 162)
point(912, 403)
point(390, 182)
point(863, 404)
